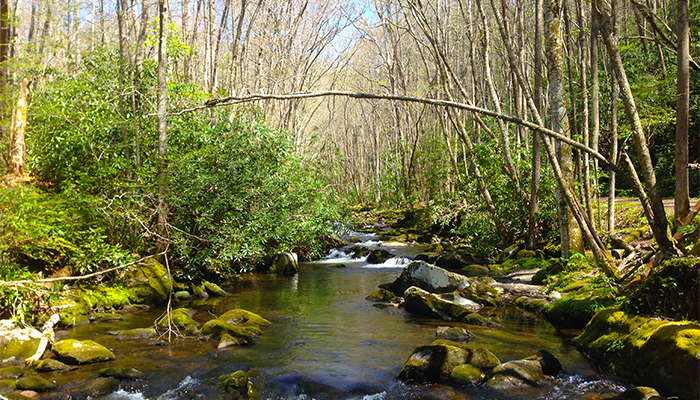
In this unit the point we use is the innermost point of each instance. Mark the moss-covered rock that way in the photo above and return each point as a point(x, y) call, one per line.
point(74, 352)
point(51, 365)
point(658, 353)
point(182, 295)
point(576, 310)
point(533, 304)
point(122, 374)
point(106, 317)
point(428, 256)
point(453, 333)
point(378, 256)
point(482, 358)
point(12, 372)
point(382, 296)
point(150, 282)
point(235, 383)
point(182, 319)
point(480, 291)
point(98, 387)
point(449, 306)
point(35, 383)
point(432, 363)
point(467, 374)
point(427, 277)
point(475, 270)
point(199, 291)
point(214, 289)
point(242, 325)
point(7, 385)
point(516, 373)
point(638, 393)
point(16, 341)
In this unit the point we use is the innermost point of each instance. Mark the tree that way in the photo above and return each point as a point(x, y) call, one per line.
point(162, 105)
point(18, 126)
point(682, 200)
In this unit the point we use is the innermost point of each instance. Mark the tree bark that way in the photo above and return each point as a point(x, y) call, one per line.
point(613, 154)
point(162, 104)
point(18, 126)
point(536, 139)
point(658, 222)
point(571, 239)
point(682, 199)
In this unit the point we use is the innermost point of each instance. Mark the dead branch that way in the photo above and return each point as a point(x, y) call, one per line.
point(47, 336)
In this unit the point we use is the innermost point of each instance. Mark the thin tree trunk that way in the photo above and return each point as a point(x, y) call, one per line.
point(224, 18)
point(613, 154)
point(571, 240)
point(595, 98)
point(658, 222)
point(18, 126)
point(536, 137)
point(682, 200)
point(162, 104)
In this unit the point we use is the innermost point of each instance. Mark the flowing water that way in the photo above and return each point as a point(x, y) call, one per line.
point(327, 342)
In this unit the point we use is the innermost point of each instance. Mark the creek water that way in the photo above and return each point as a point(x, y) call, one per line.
point(327, 342)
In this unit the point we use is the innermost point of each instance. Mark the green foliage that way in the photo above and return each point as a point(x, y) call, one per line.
point(238, 190)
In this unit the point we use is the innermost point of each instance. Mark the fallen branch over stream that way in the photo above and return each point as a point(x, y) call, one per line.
point(77, 278)
point(47, 337)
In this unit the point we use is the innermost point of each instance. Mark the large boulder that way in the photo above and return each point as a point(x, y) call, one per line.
point(35, 383)
point(516, 373)
point(241, 326)
point(427, 277)
point(449, 306)
point(17, 342)
point(285, 264)
point(432, 363)
point(467, 374)
point(150, 282)
point(181, 318)
point(74, 352)
point(651, 352)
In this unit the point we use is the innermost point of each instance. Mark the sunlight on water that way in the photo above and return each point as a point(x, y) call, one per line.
point(188, 384)
point(122, 394)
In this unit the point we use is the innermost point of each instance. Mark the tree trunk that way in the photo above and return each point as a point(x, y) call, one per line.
point(571, 239)
point(18, 126)
point(657, 221)
point(682, 200)
point(536, 138)
point(613, 154)
point(162, 104)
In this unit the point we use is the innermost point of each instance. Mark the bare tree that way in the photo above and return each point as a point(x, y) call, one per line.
point(682, 200)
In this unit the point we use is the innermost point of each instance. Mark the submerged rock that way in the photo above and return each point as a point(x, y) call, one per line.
point(454, 333)
point(72, 351)
point(383, 296)
point(136, 334)
point(662, 354)
point(99, 387)
point(432, 363)
point(51, 365)
point(121, 373)
point(234, 384)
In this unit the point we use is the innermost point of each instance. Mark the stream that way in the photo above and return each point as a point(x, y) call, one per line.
point(327, 342)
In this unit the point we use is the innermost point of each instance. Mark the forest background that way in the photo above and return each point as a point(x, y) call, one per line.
point(129, 151)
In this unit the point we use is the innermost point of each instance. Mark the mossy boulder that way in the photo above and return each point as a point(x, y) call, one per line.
point(516, 373)
point(480, 291)
point(242, 325)
point(450, 306)
point(7, 385)
point(467, 374)
point(638, 393)
point(534, 305)
point(77, 352)
point(451, 260)
point(576, 310)
point(549, 363)
point(214, 290)
point(182, 319)
point(18, 342)
point(382, 296)
point(379, 256)
point(235, 383)
point(12, 372)
point(150, 282)
point(98, 387)
point(482, 358)
point(475, 270)
point(659, 353)
point(51, 365)
point(432, 363)
point(35, 383)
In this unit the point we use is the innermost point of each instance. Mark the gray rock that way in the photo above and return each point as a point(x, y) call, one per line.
point(454, 333)
point(432, 363)
point(285, 264)
point(100, 387)
point(379, 256)
point(51, 365)
point(427, 277)
point(550, 365)
point(450, 306)
point(516, 373)
point(137, 334)
point(121, 373)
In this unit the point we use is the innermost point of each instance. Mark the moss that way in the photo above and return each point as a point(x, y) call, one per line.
point(214, 289)
point(12, 372)
point(35, 383)
point(382, 295)
point(7, 385)
point(658, 353)
point(182, 319)
point(246, 333)
point(150, 282)
point(467, 374)
point(81, 352)
point(533, 305)
point(235, 383)
point(576, 310)
point(475, 270)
